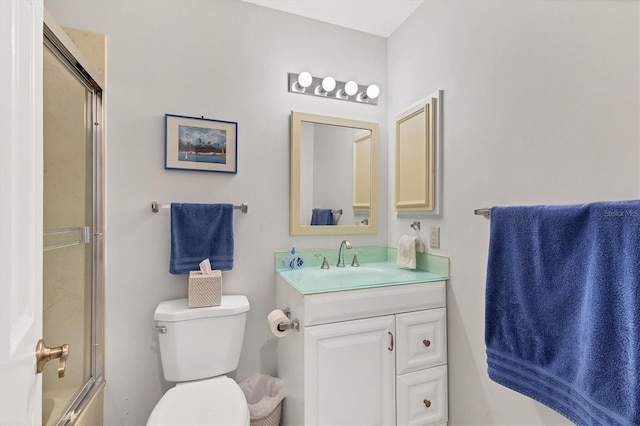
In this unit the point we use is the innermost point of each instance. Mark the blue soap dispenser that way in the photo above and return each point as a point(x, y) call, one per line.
point(292, 262)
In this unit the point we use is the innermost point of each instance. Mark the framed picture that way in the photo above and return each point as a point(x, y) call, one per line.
point(193, 143)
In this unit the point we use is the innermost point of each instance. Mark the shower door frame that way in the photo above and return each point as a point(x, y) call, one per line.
point(68, 53)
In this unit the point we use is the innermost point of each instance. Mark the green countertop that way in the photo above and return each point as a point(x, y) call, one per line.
point(311, 280)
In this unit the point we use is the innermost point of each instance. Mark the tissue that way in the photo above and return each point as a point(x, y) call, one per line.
point(205, 286)
point(276, 317)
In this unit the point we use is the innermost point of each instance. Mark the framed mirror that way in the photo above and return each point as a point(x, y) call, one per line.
point(334, 176)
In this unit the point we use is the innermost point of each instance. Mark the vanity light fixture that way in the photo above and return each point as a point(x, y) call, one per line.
point(350, 88)
point(372, 92)
point(327, 85)
point(303, 81)
point(305, 84)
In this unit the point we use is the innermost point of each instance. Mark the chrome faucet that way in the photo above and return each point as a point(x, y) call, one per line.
point(343, 244)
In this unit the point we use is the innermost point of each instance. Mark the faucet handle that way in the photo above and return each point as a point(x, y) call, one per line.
point(325, 264)
point(355, 262)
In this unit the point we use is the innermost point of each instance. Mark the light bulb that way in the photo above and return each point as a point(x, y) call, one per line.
point(373, 91)
point(350, 88)
point(305, 79)
point(328, 84)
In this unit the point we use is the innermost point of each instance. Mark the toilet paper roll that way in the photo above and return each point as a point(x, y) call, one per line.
point(274, 318)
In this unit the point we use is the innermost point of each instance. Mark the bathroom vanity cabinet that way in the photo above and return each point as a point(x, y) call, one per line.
point(371, 356)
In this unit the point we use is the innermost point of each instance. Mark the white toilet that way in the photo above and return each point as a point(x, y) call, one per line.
point(197, 347)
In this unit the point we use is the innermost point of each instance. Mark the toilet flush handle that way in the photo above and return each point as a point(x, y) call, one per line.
point(160, 328)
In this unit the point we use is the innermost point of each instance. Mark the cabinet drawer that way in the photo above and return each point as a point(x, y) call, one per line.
point(347, 305)
point(422, 397)
point(421, 340)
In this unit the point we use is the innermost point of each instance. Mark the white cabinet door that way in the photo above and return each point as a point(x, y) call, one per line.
point(350, 373)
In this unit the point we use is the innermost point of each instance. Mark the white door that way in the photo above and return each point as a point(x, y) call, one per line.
point(20, 210)
point(350, 373)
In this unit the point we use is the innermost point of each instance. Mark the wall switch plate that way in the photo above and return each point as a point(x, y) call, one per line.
point(434, 237)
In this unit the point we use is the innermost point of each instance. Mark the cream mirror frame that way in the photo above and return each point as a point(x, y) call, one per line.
point(363, 161)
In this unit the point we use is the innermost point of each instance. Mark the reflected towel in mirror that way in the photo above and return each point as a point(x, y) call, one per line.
point(321, 217)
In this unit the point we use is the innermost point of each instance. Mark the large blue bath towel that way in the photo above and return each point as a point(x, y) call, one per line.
point(198, 232)
point(563, 308)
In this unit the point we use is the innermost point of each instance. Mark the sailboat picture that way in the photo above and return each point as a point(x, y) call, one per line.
point(201, 144)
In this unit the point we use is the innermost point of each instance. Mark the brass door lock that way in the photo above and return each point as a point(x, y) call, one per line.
point(44, 355)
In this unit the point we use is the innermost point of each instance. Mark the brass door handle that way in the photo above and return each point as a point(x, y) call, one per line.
point(44, 355)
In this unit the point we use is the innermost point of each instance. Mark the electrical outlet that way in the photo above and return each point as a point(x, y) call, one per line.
point(434, 237)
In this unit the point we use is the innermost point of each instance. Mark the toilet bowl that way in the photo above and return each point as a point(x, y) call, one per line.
point(197, 348)
point(217, 401)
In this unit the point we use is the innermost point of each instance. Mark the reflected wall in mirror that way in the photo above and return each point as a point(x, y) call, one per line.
point(334, 175)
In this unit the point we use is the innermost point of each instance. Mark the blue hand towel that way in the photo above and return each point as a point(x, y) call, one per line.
point(198, 232)
point(563, 308)
point(321, 217)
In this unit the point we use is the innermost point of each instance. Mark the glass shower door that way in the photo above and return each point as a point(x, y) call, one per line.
point(68, 261)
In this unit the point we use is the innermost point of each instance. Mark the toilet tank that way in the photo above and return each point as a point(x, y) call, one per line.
point(201, 342)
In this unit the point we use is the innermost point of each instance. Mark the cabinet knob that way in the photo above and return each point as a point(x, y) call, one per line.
point(427, 403)
point(426, 342)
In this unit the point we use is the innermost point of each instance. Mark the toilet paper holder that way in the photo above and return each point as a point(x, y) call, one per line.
point(291, 324)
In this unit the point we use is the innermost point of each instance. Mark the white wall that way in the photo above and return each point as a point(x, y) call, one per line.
point(541, 105)
point(225, 60)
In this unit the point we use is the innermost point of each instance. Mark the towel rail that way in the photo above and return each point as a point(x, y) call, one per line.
point(420, 247)
point(486, 212)
point(83, 232)
point(339, 213)
point(156, 206)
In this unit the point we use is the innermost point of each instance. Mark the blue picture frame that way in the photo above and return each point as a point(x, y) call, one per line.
point(200, 144)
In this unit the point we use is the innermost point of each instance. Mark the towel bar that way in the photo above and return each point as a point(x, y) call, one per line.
point(420, 247)
point(486, 212)
point(155, 207)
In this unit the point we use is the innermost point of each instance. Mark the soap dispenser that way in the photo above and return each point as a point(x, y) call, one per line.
point(292, 262)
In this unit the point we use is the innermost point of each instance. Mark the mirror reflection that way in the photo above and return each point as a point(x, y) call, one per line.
point(333, 175)
point(334, 166)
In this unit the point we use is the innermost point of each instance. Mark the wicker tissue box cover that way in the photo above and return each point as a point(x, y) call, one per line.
point(205, 290)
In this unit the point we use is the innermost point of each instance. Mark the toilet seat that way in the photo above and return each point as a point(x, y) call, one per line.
point(217, 401)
